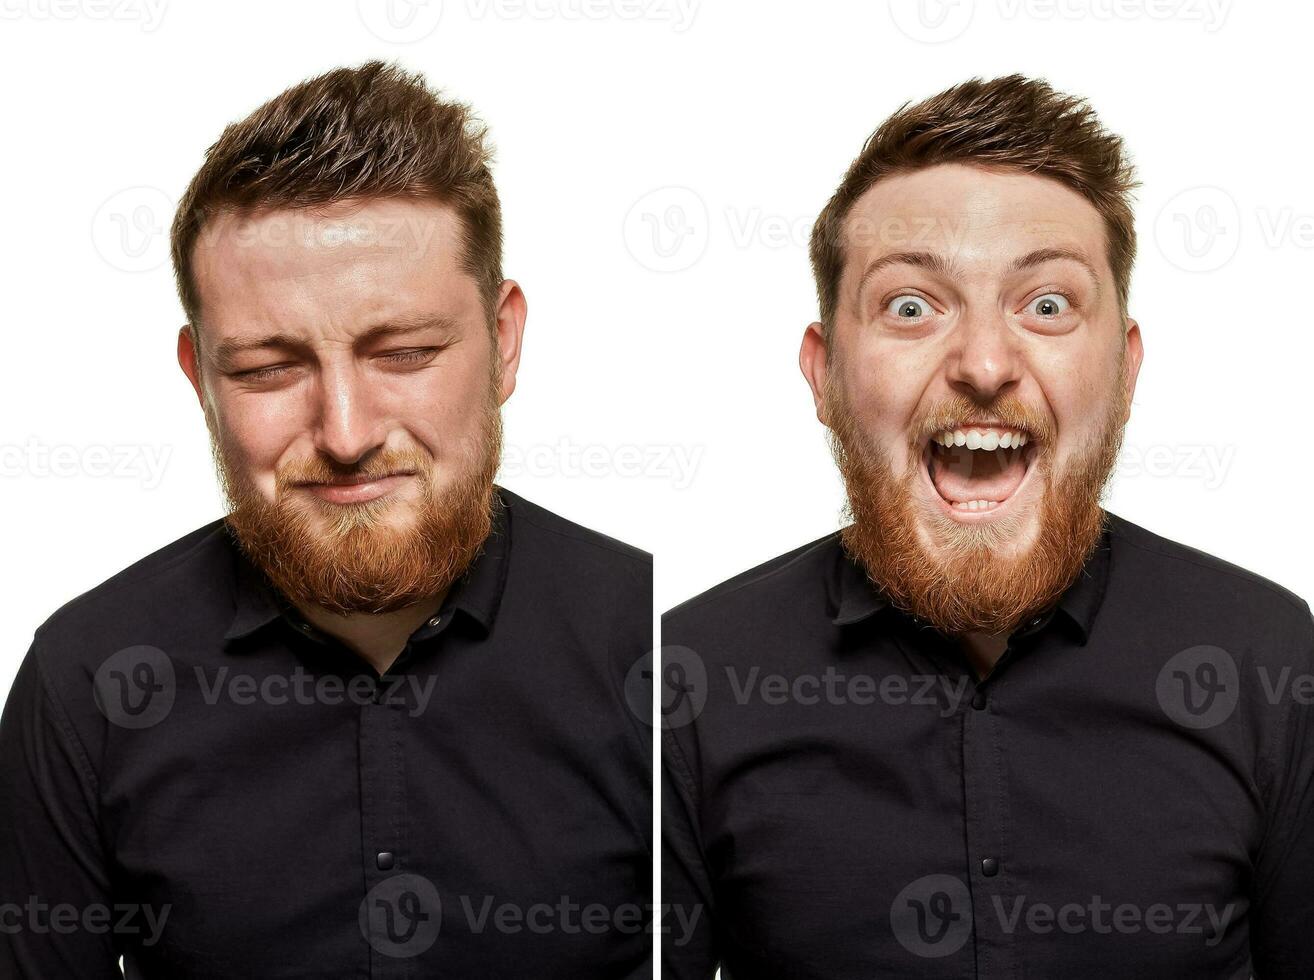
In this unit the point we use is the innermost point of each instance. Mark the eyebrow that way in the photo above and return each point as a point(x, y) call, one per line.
point(931, 261)
point(938, 264)
point(1042, 255)
point(229, 350)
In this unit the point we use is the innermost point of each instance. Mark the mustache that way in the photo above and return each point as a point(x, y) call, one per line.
point(962, 413)
point(321, 470)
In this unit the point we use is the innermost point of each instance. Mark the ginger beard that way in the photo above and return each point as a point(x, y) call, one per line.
point(979, 578)
point(353, 558)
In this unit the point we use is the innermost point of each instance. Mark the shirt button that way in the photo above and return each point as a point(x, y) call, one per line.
point(979, 700)
point(989, 867)
point(384, 860)
point(435, 621)
point(1036, 621)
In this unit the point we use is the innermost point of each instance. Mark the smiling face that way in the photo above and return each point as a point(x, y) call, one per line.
point(352, 387)
point(977, 383)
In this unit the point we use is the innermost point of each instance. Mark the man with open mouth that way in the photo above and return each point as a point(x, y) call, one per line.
point(988, 729)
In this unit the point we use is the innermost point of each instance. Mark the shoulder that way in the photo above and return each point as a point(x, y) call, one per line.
point(1240, 606)
point(153, 581)
point(179, 578)
point(780, 586)
point(1172, 565)
point(546, 531)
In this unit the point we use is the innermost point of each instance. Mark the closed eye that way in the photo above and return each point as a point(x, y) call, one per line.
point(415, 355)
point(262, 374)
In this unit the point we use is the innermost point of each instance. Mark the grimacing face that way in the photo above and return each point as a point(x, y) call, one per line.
point(974, 295)
point(347, 366)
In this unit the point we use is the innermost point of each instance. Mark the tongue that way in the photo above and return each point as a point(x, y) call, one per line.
point(962, 474)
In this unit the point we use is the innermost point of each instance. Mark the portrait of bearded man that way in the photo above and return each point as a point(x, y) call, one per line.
point(986, 700)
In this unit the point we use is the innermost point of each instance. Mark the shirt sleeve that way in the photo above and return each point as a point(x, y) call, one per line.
point(689, 948)
point(56, 914)
point(1282, 929)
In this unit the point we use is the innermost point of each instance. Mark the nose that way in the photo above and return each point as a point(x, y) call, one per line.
point(347, 426)
point(986, 361)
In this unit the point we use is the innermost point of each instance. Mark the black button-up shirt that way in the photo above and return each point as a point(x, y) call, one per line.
point(192, 777)
point(1128, 793)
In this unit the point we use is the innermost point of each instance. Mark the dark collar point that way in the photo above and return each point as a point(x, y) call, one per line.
point(477, 593)
point(855, 598)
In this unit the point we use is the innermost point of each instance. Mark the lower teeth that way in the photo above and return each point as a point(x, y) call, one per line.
point(975, 504)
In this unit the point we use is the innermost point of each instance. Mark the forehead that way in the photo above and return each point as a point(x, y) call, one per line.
point(980, 219)
point(304, 264)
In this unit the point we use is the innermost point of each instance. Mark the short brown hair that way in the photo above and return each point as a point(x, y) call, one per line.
point(1012, 122)
point(366, 132)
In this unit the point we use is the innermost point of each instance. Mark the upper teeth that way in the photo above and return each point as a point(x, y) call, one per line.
point(981, 438)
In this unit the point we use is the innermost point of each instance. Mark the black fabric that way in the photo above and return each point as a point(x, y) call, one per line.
point(275, 808)
point(843, 798)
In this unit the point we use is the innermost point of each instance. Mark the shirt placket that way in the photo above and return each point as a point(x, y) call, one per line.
point(986, 817)
point(400, 912)
point(395, 912)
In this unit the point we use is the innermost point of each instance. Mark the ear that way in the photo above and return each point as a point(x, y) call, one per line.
point(189, 361)
point(1135, 354)
point(512, 309)
point(812, 361)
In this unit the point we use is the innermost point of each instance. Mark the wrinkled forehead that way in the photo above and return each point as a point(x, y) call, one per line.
point(311, 256)
point(281, 243)
point(977, 220)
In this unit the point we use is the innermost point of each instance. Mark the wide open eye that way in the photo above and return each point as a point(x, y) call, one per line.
point(1049, 305)
point(908, 307)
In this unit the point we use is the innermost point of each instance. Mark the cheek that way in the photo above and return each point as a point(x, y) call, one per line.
point(444, 407)
point(1078, 401)
point(257, 430)
point(882, 389)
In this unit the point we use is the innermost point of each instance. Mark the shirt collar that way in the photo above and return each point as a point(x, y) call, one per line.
point(477, 593)
point(854, 598)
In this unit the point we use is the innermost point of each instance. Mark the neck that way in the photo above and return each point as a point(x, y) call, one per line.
point(377, 638)
point(983, 650)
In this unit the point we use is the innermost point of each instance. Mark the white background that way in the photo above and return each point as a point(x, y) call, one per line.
point(659, 397)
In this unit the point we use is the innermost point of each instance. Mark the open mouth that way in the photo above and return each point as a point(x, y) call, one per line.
point(976, 470)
